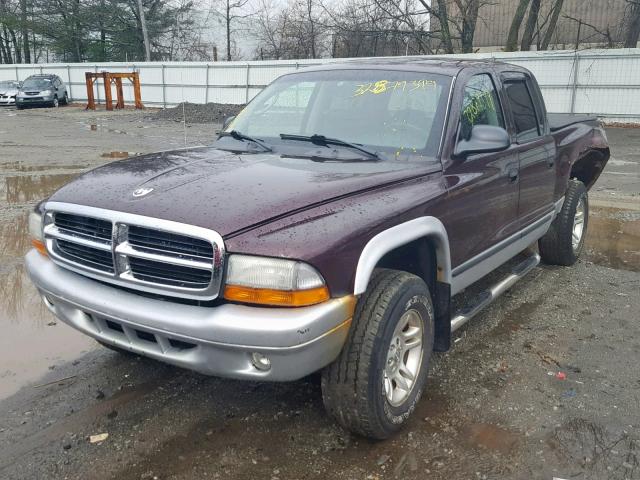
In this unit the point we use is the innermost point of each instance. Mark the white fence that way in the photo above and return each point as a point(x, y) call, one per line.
point(602, 82)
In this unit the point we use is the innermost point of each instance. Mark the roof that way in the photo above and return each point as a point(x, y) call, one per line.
point(442, 65)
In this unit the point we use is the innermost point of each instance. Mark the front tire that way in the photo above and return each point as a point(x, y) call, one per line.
point(55, 103)
point(564, 242)
point(376, 382)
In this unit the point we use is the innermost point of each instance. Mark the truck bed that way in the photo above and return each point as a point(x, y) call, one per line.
point(558, 121)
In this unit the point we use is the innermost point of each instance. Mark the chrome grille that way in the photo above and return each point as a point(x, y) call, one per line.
point(80, 225)
point(138, 252)
point(87, 256)
point(158, 241)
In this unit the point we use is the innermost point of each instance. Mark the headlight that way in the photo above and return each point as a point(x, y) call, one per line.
point(35, 231)
point(273, 281)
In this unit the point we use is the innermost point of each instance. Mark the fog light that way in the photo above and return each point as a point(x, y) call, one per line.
point(261, 362)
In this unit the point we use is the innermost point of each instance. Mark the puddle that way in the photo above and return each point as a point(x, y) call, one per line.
point(117, 154)
point(32, 340)
point(95, 127)
point(29, 188)
point(29, 346)
point(26, 167)
point(614, 242)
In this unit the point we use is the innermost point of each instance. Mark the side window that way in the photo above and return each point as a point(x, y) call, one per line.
point(523, 110)
point(480, 105)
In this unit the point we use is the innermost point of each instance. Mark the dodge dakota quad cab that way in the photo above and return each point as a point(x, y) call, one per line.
point(326, 229)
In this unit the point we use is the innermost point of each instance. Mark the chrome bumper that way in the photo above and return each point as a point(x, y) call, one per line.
point(211, 340)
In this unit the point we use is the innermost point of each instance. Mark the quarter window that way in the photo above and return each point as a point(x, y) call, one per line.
point(524, 114)
point(480, 105)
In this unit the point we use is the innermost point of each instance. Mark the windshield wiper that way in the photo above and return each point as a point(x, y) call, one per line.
point(326, 141)
point(242, 137)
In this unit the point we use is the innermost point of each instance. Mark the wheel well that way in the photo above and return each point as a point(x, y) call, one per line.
point(588, 168)
point(419, 257)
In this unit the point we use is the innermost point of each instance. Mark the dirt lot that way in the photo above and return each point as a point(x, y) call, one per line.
point(494, 408)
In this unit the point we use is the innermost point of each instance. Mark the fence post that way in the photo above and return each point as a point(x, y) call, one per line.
point(164, 86)
point(17, 77)
point(246, 92)
point(206, 87)
point(69, 82)
point(576, 65)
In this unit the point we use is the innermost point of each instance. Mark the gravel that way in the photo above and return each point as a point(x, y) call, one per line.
point(198, 113)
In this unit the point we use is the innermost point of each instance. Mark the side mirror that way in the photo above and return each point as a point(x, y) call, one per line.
point(227, 122)
point(483, 139)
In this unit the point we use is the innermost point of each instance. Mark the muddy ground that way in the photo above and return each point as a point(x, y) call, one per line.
point(495, 407)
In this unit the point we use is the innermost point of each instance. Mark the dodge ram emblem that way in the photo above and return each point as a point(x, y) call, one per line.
point(141, 192)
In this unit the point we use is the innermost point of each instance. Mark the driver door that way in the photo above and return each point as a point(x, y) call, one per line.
point(482, 203)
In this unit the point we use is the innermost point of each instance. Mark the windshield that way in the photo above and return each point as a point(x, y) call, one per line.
point(36, 83)
point(9, 84)
point(391, 111)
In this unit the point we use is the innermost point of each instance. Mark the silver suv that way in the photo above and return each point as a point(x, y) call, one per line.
point(8, 91)
point(44, 90)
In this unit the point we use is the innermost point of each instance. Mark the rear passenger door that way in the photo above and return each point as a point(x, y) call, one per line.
point(534, 145)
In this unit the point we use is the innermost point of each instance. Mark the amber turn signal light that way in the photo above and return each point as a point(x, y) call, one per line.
point(279, 298)
point(40, 247)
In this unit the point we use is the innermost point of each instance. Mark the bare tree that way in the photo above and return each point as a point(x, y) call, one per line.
point(633, 24)
point(145, 33)
point(553, 23)
point(516, 22)
point(443, 17)
point(530, 27)
point(232, 11)
point(24, 30)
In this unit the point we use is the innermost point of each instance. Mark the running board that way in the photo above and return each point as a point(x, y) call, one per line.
point(488, 296)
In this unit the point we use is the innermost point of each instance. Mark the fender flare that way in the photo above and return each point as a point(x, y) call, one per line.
point(399, 235)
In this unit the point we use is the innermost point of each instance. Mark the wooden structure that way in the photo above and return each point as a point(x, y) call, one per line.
point(113, 78)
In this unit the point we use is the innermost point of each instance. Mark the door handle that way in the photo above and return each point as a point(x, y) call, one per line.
point(551, 162)
point(513, 174)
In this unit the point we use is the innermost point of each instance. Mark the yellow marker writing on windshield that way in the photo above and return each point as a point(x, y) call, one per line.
point(383, 86)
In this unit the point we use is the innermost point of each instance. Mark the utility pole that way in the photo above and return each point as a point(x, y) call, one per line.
point(145, 34)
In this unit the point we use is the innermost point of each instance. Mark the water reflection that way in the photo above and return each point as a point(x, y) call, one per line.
point(614, 242)
point(31, 341)
point(28, 188)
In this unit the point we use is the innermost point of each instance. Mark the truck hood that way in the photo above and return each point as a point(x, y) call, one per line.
point(225, 191)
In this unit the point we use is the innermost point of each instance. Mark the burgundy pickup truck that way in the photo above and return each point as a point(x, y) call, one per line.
point(326, 229)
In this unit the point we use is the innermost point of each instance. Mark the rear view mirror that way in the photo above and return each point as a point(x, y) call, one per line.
point(227, 122)
point(483, 139)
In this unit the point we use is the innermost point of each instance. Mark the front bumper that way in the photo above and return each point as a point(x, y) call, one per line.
point(211, 340)
point(37, 100)
point(7, 100)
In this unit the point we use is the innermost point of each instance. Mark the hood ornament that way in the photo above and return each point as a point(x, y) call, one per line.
point(141, 192)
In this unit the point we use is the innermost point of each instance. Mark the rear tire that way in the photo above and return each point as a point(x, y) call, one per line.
point(65, 99)
point(564, 242)
point(369, 389)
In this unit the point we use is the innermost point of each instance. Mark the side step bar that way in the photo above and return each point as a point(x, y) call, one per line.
point(489, 295)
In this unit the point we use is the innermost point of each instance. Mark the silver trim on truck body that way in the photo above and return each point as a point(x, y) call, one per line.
point(394, 237)
point(298, 341)
point(485, 262)
point(122, 250)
